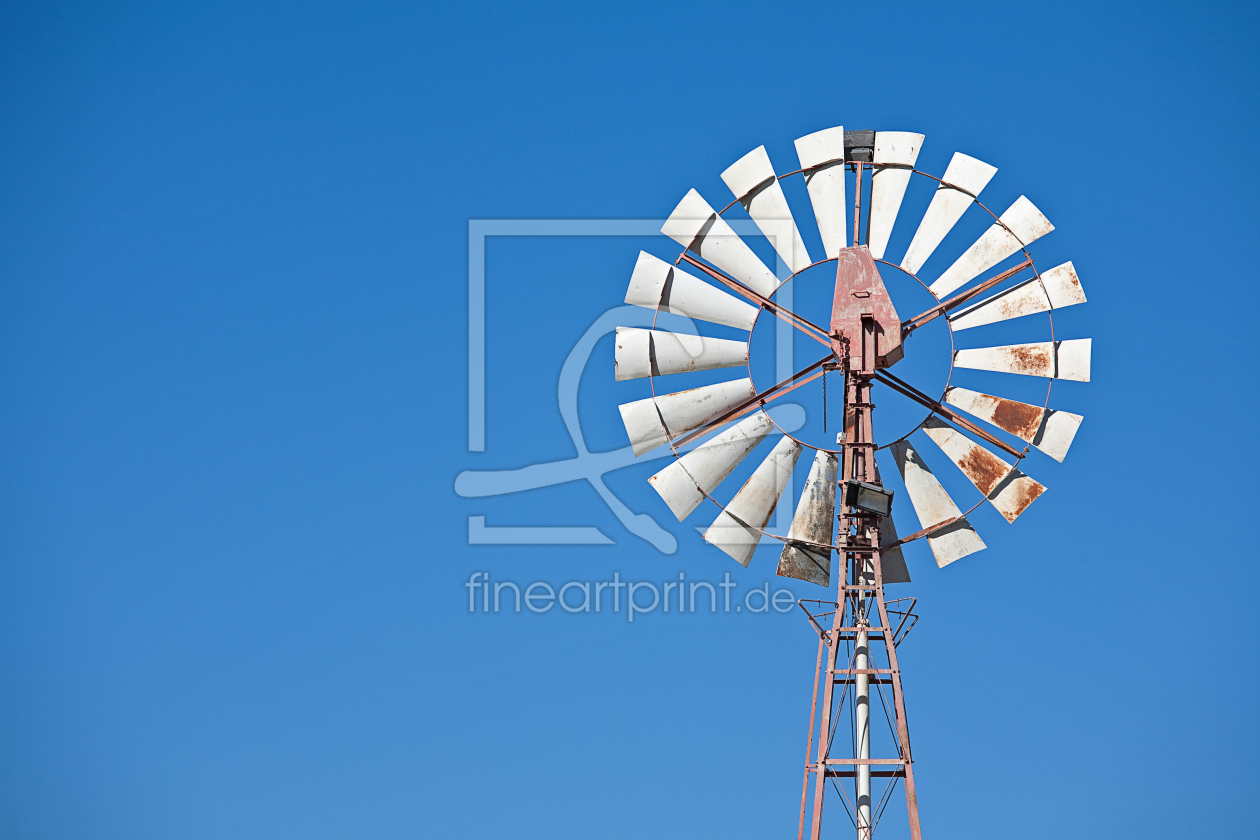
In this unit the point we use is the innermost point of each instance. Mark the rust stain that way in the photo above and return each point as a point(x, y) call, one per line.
point(799, 563)
point(1022, 493)
point(984, 468)
point(1009, 309)
point(1029, 359)
point(1020, 419)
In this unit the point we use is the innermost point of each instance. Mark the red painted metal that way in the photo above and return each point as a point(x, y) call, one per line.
point(860, 296)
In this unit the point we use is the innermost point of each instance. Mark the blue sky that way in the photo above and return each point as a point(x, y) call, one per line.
point(233, 353)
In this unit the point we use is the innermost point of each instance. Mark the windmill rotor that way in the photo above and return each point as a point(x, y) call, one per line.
point(857, 183)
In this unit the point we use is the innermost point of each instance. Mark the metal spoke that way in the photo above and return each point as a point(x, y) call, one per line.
point(803, 324)
point(949, 414)
point(940, 309)
point(768, 395)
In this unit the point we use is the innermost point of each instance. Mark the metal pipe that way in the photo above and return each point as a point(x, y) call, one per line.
point(862, 711)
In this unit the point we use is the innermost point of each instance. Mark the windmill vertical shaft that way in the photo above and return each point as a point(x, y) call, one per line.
point(861, 616)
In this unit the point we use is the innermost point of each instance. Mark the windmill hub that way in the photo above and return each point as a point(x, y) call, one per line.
point(863, 319)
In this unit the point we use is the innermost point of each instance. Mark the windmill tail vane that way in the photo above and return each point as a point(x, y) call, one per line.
point(856, 182)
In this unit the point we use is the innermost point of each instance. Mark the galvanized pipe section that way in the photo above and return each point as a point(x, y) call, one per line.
point(862, 723)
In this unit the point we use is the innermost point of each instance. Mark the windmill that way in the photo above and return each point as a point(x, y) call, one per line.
point(718, 278)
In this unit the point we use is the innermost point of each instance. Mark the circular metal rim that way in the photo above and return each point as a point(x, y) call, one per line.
point(748, 364)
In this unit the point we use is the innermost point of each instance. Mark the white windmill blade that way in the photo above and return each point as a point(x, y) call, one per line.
point(815, 522)
point(756, 187)
point(655, 284)
point(933, 505)
point(891, 559)
point(947, 207)
point(738, 528)
point(996, 244)
point(822, 157)
point(1051, 430)
point(653, 421)
point(1006, 488)
point(888, 184)
point(698, 228)
point(1068, 359)
point(641, 353)
point(683, 483)
point(1056, 288)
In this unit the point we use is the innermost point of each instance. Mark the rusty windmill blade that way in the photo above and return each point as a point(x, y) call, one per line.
point(899, 150)
point(814, 522)
point(964, 178)
point(1050, 430)
point(684, 483)
point(697, 227)
point(1006, 488)
point(821, 155)
point(641, 353)
point(757, 189)
point(739, 527)
point(1021, 225)
point(955, 538)
point(1055, 289)
point(653, 421)
point(1067, 359)
point(656, 284)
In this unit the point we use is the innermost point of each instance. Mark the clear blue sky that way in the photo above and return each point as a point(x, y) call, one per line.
point(233, 406)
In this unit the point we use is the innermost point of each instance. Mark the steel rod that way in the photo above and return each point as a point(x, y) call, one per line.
point(940, 309)
point(804, 325)
point(772, 393)
point(809, 743)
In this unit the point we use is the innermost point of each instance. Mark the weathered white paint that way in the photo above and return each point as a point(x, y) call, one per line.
point(698, 228)
point(753, 182)
point(892, 561)
point(1050, 431)
point(822, 157)
point(933, 505)
point(1022, 299)
point(1072, 359)
point(641, 353)
point(1006, 488)
point(653, 421)
point(888, 184)
point(1057, 288)
point(656, 284)
point(1067, 359)
point(738, 528)
point(1057, 432)
point(994, 245)
point(632, 355)
point(947, 207)
point(814, 522)
point(1063, 286)
point(684, 482)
